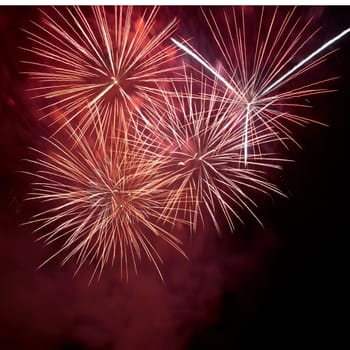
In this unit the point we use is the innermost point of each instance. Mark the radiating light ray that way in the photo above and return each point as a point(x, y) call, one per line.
point(246, 124)
point(101, 94)
point(204, 64)
point(106, 199)
point(109, 56)
point(305, 60)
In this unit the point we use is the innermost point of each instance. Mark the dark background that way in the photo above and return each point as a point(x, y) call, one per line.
point(278, 286)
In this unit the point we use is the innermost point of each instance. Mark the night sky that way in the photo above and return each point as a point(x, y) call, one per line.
point(280, 285)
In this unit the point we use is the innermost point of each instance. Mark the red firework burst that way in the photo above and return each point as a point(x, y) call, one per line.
point(107, 199)
point(108, 56)
point(203, 153)
point(262, 67)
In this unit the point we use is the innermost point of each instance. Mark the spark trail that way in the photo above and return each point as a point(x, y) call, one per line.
point(304, 61)
point(204, 64)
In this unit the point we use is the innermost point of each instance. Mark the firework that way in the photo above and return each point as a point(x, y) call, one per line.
point(203, 150)
point(105, 198)
point(263, 77)
point(144, 152)
point(108, 56)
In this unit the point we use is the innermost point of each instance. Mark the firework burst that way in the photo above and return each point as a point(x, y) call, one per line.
point(203, 153)
point(108, 56)
point(264, 67)
point(106, 198)
point(143, 152)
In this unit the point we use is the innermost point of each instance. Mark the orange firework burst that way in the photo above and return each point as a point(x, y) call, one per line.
point(108, 56)
point(203, 152)
point(106, 198)
point(265, 66)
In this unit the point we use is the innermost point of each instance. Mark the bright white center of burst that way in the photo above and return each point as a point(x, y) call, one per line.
point(115, 81)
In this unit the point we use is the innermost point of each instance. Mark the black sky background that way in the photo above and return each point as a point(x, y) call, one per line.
point(284, 285)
